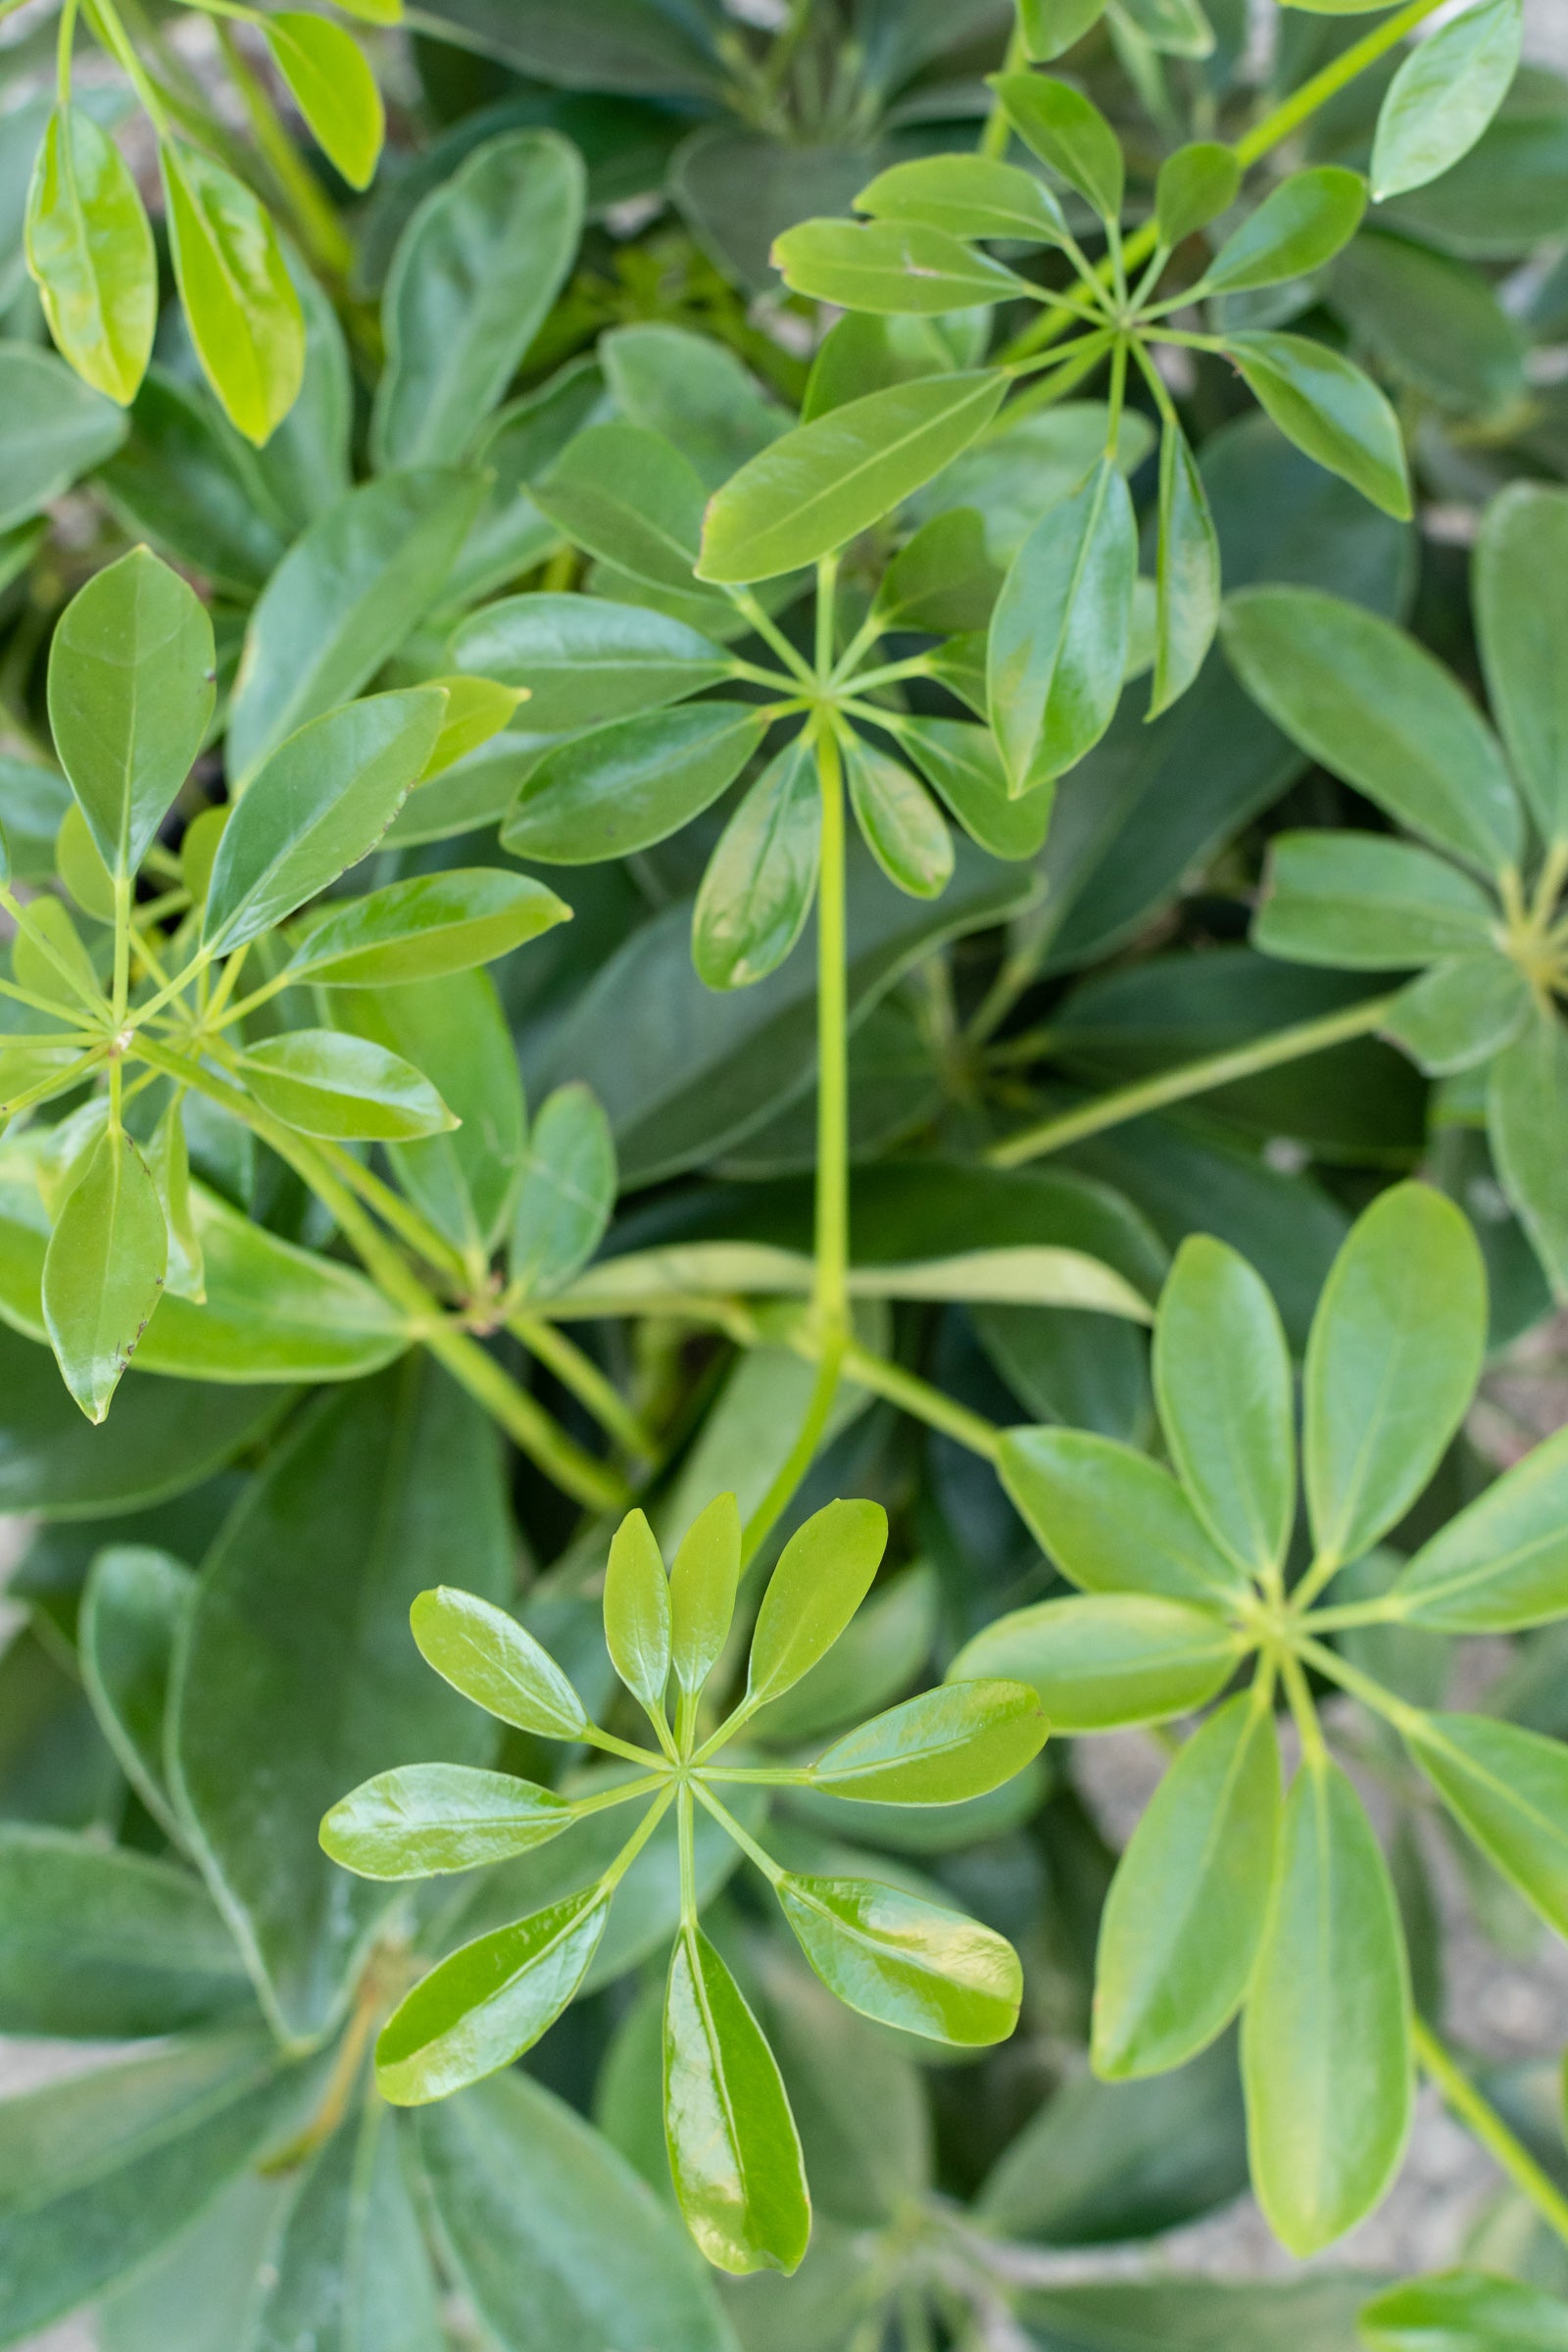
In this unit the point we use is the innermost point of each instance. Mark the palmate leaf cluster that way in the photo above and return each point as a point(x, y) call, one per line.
point(617, 724)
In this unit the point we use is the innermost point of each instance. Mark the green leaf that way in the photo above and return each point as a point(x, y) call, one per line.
point(568, 1192)
point(333, 87)
point(100, 1944)
point(703, 1579)
point(942, 578)
point(692, 389)
point(1108, 1659)
point(585, 661)
point(895, 267)
point(904, 1961)
point(1521, 563)
point(296, 1679)
point(477, 712)
point(322, 801)
point(1503, 1563)
point(323, 1083)
point(948, 1745)
point(1048, 26)
point(341, 602)
point(487, 1655)
point(98, 2171)
point(474, 277)
point(823, 1574)
point(1430, 321)
point(1058, 647)
point(90, 254)
point(900, 825)
point(630, 499)
point(1330, 410)
point(1391, 1362)
point(1526, 1104)
point(488, 2002)
point(1222, 1376)
point(1367, 903)
point(1369, 703)
point(424, 1819)
point(967, 196)
point(1196, 185)
point(169, 1164)
point(1172, 27)
point(965, 767)
point(1508, 1788)
point(759, 882)
point(1187, 575)
point(425, 928)
point(132, 1612)
point(1460, 1013)
point(734, 2152)
point(1446, 91)
point(514, 2178)
point(1067, 131)
point(53, 430)
point(131, 694)
point(1326, 2039)
point(1112, 1520)
point(826, 482)
point(1301, 224)
point(240, 301)
point(637, 1613)
point(1184, 1916)
point(621, 788)
point(104, 1271)
point(1464, 2311)
point(858, 2099)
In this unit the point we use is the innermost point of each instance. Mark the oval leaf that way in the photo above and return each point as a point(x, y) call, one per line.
point(426, 1817)
point(1222, 1376)
point(1108, 1659)
point(621, 788)
point(759, 882)
point(486, 1654)
point(905, 1962)
point(240, 301)
point(824, 1572)
point(91, 252)
point(937, 1749)
point(488, 2002)
point(324, 1083)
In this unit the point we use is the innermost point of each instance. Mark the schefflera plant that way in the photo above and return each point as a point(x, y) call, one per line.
point(734, 2152)
point(1233, 1894)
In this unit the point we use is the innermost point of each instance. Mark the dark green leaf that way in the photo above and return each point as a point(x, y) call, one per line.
point(693, 390)
point(1195, 187)
point(1299, 227)
point(900, 824)
point(1432, 322)
point(568, 1192)
point(762, 878)
point(897, 268)
point(1187, 613)
point(630, 499)
point(1328, 408)
point(1067, 131)
point(133, 1612)
point(1222, 1375)
point(1369, 902)
point(1058, 647)
point(1525, 1107)
point(621, 788)
point(1460, 1013)
point(53, 430)
point(1521, 567)
point(965, 767)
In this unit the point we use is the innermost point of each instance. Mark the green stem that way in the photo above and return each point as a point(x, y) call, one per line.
point(62, 48)
point(1126, 1103)
point(743, 1838)
point(577, 1372)
point(638, 1839)
point(759, 1526)
point(771, 634)
point(686, 1826)
point(997, 129)
point(1371, 1694)
point(1313, 1750)
point(625, 1794)
point(1480, 2117)
point(1383, 1611)
point(101, 15)
point(917, 1396)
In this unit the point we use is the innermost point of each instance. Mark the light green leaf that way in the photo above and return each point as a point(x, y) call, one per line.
point(568, 1192)
point(425, 928)
point(1446, 91)
point(324, 1083)
point(1222, 1377)
point(630, 499)
point(1067, 131)
point(823, 1574)
point(1058, 647)
point(130, 693)
point(488, 2002)
point(486, 1655)
point(1301, 224)
point(474, 273)
point(424, 1819)
point(1326, 2039)
point(1048, 26)
point(1508, 1788)
point(87, 880)
point(585, 661)
point(1184, 1916)
point(759, 882)
point(1112, 1520)
point(826, 482)
point(104, 1271)
point(1330, 410)
point(703, 1578)
point(1502, 1564)
point(1520, 587)
point(637, 1613)
point(1195, 187)
point(891, 268)
point(1391, 1362)
point(1526, 1104)
point(900, 823)
point(240, 301)
point(168, 1158)
point(962, 762)
point(53, 430)
point(1460, 1013)
point(969, 196)
point(904, 1961)
point(957, 1742)
point(621, 788)
point(1464, 2311)
point(734, 2152)
point(1108, 1659)
point(90, 253)
point(132, 1611)
point(477, 712)
point(333, 87)
point(1369, 902)
point(1187, 575)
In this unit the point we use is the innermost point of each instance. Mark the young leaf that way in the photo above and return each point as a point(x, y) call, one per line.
point(1108, 1659)
point(1391, 1362)
point(423, 1819)
point(1222, 1375)
point(1464, 2311)
point(759, 882)
point(1058, 647)
point(905, 1962)
point(130, 693)
point(486, 1655)
point(90, 254)
point(333, 87)
point(1330, 410)
point(1187, 574)
point(1067, 131)
point(1503, 1563)
point(827, 481)
point(703, 1578)
point(477, 708)
point(823, 1574)
point(948, 1745)
point(240, 301)
point(734, 2152)
point(324, 1083)
point(1326, 2039)
point(637, 1613)
point(899, 821)
point(104, 1271)
point(1446, 92)
point(890, 267)
point(623, 788)
point(1509, 1788)
point(1367, 903)
point(568, 1192)
point(1299, 227)
point(1526, 1104)
point(1195, 187)
point(585, 661)
point(1112, 1520)
point(967, 196)
point(630, 499)
point(1520, 587)
point(483, 2007)
point(425, 928)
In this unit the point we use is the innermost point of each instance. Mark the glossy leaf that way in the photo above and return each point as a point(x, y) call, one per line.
point(477, 712)
point(1058, 647)
point(483, 2007)
point(324, 1083)
point(1222, 1375)
point(1326, 2039)
point(104, 1271)
point(760, 881)
point(167, 1158)
point(891, 268)
point(90, 253)
point(1187, 576)
point(1503, 1563)
point(899, 822)
point(965, 766)
point(1301, 224)
point(1330, 410)
point(734, 2152)
point(948, 1745)
point(133, 1611)
point(1112, 1520)
point(630, 499)
point(333, 87)
point(1107, 1659)
point(623, 787)
point(1184, 1916)
point(1464, 2311)
point(1067, 131)
point(425, 928)
point(703, 1578)
point(823, 1574)
point(1391, 1362)
point(240, 301)
point(1521, 562)
point(967, 196)
point(904, 1961)
point(637, 1612)
point(427, 1818)
point(1196, 185)
point(568, 1192)
point(1446, 92)
point(1508, 1788)
point(487, 1655)
point(585, 661)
